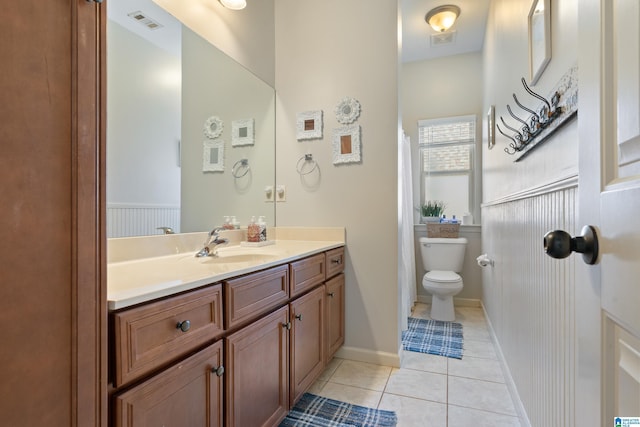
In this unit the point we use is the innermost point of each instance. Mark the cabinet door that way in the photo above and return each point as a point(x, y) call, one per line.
point(334, 321)
point(189, 393)
point(257, 382)
point(307, 341)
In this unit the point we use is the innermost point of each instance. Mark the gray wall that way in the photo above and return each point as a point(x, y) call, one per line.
point(317, 65)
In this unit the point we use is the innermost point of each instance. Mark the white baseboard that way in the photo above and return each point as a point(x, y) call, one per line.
point(369, 356)
point(458, 302)
point(511, 385)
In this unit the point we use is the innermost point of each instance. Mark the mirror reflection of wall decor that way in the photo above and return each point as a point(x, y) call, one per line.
point(213, 127)
point(346, 144)
point(213, 156)
point(309, 125)
point(242, 132)
point(348, 110)
point(539, 38)
point(491, 132)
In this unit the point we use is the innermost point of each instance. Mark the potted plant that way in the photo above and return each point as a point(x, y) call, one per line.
point(431, 211)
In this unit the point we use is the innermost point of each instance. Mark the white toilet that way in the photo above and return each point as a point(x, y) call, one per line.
point(442, 259)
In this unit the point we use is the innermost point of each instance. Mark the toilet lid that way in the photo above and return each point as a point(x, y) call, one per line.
point(442, 276)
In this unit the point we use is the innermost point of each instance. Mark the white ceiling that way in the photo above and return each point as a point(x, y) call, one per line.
point(167, 37)
point(416, 33)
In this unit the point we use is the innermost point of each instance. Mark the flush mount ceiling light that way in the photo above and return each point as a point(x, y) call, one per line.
point(442, 18)
point(234, 4)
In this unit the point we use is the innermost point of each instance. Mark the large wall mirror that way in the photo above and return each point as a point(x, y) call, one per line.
point(164, 82)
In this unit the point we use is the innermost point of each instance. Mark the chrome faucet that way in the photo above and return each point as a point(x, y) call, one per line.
point(212, 242)
point(166, 230)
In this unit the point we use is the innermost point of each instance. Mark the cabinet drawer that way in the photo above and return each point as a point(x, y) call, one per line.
point(335, 262)
point(249, 296)
point(149, 336)
point(307, 273)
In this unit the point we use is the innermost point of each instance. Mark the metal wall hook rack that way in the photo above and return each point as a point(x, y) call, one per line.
point(307, 158)
point(240, 166)
point(541, 122)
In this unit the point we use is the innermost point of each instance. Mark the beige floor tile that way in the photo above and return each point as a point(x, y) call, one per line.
point(424, 362)
point(481, 349)
point(415, 412)
point(477, 368)
point(421, 385)
point(476, 333)
point(459, 416)
point(349, 394)
point(317, 387)
point(360, 374)
point(330, 369)
point(478, 394)
point(421, 311)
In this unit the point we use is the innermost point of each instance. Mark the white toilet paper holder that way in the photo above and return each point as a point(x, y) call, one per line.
point(484, 260)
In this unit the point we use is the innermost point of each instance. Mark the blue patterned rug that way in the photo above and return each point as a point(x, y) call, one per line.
point(433, 337)
point(317, 411)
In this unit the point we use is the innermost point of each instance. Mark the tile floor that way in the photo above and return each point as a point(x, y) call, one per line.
point(430, 390)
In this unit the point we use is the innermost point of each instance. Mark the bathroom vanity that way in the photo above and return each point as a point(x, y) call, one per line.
point(233, 340)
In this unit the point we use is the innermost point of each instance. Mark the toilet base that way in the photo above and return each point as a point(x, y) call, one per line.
point(442, 308)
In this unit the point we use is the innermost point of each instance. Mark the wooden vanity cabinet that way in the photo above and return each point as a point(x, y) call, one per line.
point(307, 341)
point(151, 335)
point(189, 393)
point(281, 326)
point(334, 262)
point(307, 273)
point(334, 316)
point(257, 374)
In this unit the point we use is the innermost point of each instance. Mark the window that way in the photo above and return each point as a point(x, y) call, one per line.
point(447, 153)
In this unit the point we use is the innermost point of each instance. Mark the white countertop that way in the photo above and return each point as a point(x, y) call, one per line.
point(140, 280)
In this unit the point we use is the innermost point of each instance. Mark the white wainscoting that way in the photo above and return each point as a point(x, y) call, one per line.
point(530, 299)
point(141, 220)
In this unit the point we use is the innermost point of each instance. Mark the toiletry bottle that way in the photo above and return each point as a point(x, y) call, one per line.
point(262, 226)
point(454, 220)
point(227, 224)
point(235, 223)
point(253, 231)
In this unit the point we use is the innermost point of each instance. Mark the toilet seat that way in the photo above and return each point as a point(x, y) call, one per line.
point(442, 276)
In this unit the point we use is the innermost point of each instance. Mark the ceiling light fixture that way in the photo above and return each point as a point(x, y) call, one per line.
point(442, 18)
point(234, 4)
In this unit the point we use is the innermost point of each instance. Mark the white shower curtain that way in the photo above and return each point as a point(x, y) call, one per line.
point(406, 251)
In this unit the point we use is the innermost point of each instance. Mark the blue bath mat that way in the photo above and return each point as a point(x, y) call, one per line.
point(433, 337)
point(317, 411)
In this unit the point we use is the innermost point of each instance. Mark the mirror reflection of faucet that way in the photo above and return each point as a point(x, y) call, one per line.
point(211, 245)
point(166, 230)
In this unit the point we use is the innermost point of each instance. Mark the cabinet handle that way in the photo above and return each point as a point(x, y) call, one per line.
point(331, 294)
point(336, 261)
point(218, 371)
point(299, 316)
point(287, 326)
point(184, 326)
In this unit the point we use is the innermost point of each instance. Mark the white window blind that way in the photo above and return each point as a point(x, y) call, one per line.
point(447, 144)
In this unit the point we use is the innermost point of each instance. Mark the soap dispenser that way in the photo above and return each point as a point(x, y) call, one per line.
point(262, 227)
point(253, 231)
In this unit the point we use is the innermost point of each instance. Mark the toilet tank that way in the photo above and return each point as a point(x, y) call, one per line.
point(442, 254)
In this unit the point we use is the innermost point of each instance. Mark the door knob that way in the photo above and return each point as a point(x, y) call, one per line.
point(560, 244)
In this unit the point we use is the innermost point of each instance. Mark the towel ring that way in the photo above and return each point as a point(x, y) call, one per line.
point(237, 167)
point(302, 161)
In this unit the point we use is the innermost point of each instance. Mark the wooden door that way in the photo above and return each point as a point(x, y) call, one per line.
point(52, 293)
point(607, 295)
point(334, 321)
point(257, 374)
point(189, 393)
point(307, 341)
